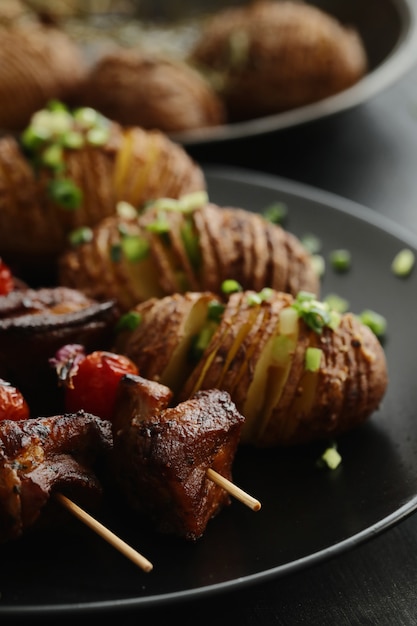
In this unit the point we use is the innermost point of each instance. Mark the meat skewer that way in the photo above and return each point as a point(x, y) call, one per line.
point(40, 456)
point(105, 533)
point(173, 464)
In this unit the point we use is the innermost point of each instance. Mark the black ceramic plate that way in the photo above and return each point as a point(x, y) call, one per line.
point(308, 514)
point(389, 31)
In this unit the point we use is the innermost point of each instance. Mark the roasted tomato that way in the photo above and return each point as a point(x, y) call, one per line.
point(6, 279)
point(13, 406)
point(91, 380)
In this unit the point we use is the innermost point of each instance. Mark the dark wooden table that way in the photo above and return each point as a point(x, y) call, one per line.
point(368, 155)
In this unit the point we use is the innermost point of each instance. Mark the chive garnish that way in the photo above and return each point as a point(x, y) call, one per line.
point(129, 321)
point(65, 193)
point(403, 262)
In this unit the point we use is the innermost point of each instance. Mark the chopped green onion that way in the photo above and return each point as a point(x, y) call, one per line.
point(254, 299)
point(403, 262)
point(311, 243)
point(126, 210)
point(81, 235)
point(135, 248)
point(160, 225)
point(191, 201)
point(215, 310)
point(265, 293)
point(53, 156)
point(376, 322)
point(315, 314)
point(340, 260)
point(65, 193)
point(88, 117)
point(330, 458)
point(129, 321)
point(313, 359)
point(276, 212)
point(319, 264)
point(230, 286)
point(336, 302)
point(97, 136)
point(72, 139)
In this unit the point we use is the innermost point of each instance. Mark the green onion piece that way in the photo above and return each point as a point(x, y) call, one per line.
point(192, 201)
point(315, 314)
point(340, 260)
point(88, 117)
point(215, 310)
point(56, 105)
point(129, 321)
point(254, 299)
point(34, 138)
point(276, 212)
point(65, 193)
point(376, 322)
point(239, 45)
point(53, 157)
point(202, 340)
point(97, 136)
point(330, 458)
point(230, 285)
point(165, 204)
point(403, 262)
point(126, 210)
point(265, 293)
point(135, 248)
point(191, 243)
point(313, 359)
point(81, 235)
point(336, 302)
point(160, 225)
point(73, 140)
point(319, 264)
point(311, 243)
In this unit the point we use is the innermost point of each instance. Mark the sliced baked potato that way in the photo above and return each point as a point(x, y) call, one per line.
point(188, 245)
point(295, 369)
point(270, 56)
point(69, 169)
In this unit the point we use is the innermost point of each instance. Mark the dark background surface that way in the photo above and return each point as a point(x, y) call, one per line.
point(368, 155)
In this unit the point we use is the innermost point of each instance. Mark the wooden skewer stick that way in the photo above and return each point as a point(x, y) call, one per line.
point(238, 493)
point(105, 533)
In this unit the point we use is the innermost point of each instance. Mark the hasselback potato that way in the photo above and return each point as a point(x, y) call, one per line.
point(267, 57)
point(69, 169)
point(297, 370)
point(186, 245)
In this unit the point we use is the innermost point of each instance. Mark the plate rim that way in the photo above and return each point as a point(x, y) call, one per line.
point(332, 201)
point(397, 64)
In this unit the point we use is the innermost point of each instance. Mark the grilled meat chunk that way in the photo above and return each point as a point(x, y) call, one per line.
point(161, 454)
point(41, 455)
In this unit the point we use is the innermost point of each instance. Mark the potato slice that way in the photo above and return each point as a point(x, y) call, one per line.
point(161, 344)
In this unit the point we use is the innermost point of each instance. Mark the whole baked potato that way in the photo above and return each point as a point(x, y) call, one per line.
point(187, 244)
point(270, 56)
point(69, 169)
point(295, 369)
point(140, 88)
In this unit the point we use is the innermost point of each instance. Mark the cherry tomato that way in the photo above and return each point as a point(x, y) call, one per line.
point(93, 384)
point(13, 406)
point(6, 279)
